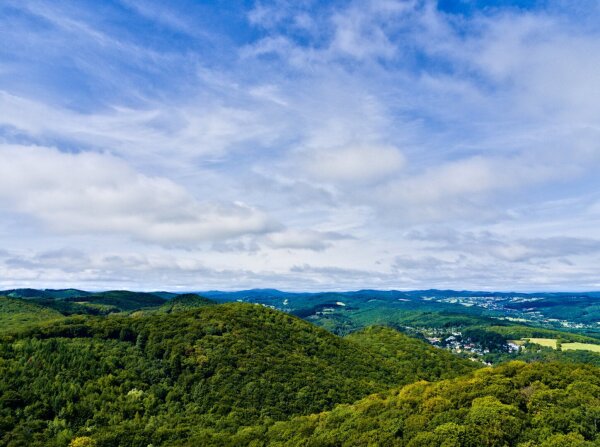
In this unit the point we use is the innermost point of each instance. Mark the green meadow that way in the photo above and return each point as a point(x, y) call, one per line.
point(552, 343)
point(580, 346)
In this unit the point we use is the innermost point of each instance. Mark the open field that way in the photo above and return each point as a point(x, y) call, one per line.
point(548, 342)
point(551, 343)
point(581, 346)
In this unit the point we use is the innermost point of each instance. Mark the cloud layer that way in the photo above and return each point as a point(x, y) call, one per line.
point(301, 145)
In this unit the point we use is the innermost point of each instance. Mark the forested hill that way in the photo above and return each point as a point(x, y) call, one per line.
point(517, 404)
point(421, 359)
point(16, 313)
point(203, 374)
point(185, 302)
point(185, 371)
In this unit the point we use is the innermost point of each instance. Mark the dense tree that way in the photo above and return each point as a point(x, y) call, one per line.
point(517, 404)
point(191, 373)
point(132, 380)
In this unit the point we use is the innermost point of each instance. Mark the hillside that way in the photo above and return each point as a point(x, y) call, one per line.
point(422, 360)
point(183, 302)
point(205, 372)
point(529, 405)
point(16, 313)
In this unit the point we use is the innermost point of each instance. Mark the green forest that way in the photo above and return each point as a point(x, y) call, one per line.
point(183, 370)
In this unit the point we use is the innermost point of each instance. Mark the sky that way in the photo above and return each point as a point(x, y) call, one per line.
point(300, 145)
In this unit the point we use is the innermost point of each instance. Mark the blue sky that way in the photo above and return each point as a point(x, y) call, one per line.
point(302, 145)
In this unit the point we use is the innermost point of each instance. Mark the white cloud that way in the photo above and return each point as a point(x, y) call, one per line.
point(505, 248)
point(552, 65)
point(360, 35)
point(95, 193)
point(476, 188)
point(358, 164)
point(303, 239)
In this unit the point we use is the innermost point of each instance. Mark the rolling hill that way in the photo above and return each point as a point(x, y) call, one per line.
point(422, 360)
point(183, 302)
point(207, 372)
point(16, 313)
point(517, 404)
